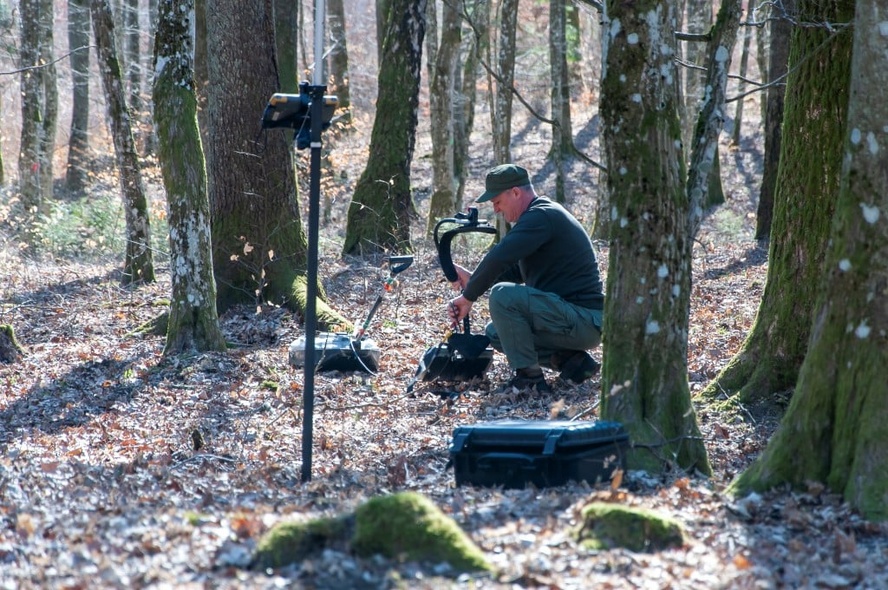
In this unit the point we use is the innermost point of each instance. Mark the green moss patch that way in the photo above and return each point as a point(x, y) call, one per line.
point(291, 542)
point(605, 526)
point(408, 526)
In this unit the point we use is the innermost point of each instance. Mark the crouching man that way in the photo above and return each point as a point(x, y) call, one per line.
point(546, 296)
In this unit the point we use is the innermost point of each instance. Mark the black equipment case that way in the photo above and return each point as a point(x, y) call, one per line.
point(514, 453)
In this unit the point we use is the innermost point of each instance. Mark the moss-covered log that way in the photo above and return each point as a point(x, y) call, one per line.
point(409, 526)
point(10, 349)
point(807, 185)
point(606, 526)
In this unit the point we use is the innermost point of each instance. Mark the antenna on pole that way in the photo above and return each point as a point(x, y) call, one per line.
point(316, 93)
point(308, 113)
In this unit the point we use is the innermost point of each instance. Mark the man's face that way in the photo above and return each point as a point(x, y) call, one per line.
point(508, 204)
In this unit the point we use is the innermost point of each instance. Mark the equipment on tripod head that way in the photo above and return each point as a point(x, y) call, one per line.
point(340, 351)
point(293, 111)
point(461, 356)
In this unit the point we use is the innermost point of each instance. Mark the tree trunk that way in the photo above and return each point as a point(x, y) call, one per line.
point(703, 170)
point(562, 135)
point(259, 247)
point(138, 265)
point(501, 114)
point(777, 65)
point(339, 76)
point(382, 207)
point(811, 158)
point(78, 145)
point(39, 105)
point(741, 85)
point(836, 426)
point(647, 305)
point(132, 55)
point(51, 94)
point(193, 322)
point(474, 46)
point(443, 202)
point(286, 40)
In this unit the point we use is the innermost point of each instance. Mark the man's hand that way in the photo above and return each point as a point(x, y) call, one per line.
point(462, 280)
point(457, 309)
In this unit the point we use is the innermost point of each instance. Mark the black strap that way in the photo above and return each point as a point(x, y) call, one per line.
point(465, 222)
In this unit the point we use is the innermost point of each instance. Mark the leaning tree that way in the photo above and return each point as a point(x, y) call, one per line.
point(836, 426)
point(382, 206)
point(644, 374)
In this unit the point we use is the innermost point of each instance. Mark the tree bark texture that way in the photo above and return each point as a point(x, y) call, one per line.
point(807, 185)
point(286, 41)
point(475, 45)
point(139, 263)
point(381, 209)
point(259, 247)
point(339, 76)
point(711, 113)
point(193, 322)
point(777, 67)
point(562, 134)
point(836, 426)
point(442, 90)
point(647, 305)
point(39, 104)
point(501, 114)
point(78, 144)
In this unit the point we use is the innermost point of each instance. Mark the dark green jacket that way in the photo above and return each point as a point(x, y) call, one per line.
point(546, 249)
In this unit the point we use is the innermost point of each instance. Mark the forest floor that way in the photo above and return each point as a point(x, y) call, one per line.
point(103, 485)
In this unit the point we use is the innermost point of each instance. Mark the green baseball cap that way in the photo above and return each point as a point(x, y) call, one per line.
point(502, 178)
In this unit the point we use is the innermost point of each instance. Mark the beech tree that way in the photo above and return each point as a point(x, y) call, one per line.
point(138, 265)
point(259, 246)
point(778, 56)
point(193, 322)
point(78, 144)
point(837, 423)
point(39, 103)
point(808, 181)
point(444, 60)
point(644, 374)
point(382, 206)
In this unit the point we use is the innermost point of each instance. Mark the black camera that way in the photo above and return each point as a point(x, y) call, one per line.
point(293, 111)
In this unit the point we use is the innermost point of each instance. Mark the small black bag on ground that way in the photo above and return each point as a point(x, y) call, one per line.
point(514, 453)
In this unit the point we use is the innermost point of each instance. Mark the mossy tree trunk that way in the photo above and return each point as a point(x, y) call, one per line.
point(778, 50)
point(474, 46)
point(644, 374)
point(138, 265)
point(837, 423)
point(193, 322)
point(501, 113)
point(78, 144)
point(286, 41)
point(704, 172)
point(810, 168)
point(339, 77)
point(442, 90)
point(382, 206)
point(562, 134)
point(39, 104)
point(259, 247)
